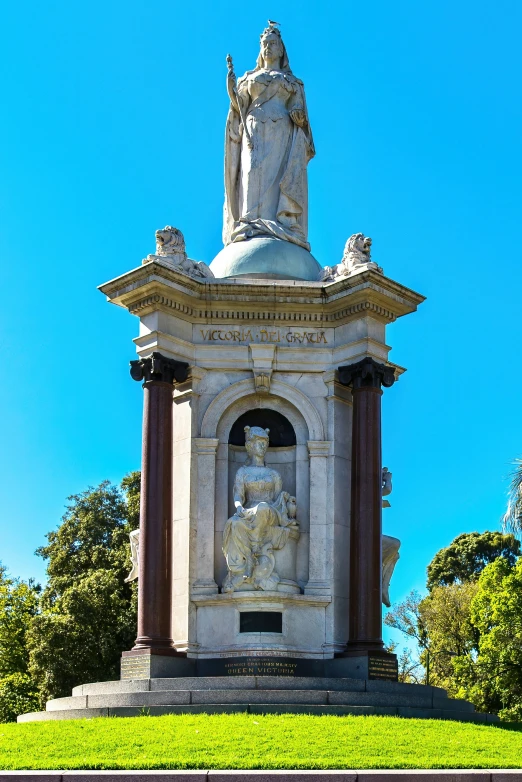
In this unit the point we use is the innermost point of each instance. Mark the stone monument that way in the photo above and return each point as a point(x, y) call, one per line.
point(261, 563)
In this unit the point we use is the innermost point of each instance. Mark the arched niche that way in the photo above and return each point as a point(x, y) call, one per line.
point(282, 395)
point(282, 434)
point(291, 461)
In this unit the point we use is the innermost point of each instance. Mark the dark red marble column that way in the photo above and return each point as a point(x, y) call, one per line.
point(366, 378)
point(155, 549)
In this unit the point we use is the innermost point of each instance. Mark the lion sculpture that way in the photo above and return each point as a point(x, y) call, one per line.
point(170, 247)
point(356, 258)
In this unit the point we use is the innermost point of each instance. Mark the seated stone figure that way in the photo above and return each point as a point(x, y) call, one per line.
point(262, 523)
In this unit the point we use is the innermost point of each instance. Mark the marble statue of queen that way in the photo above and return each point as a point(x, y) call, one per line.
point(264, 518)
point(268, 144)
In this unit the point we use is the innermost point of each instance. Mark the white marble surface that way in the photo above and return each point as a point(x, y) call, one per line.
point(296, 335)
point(268, 144)
point(262, 524)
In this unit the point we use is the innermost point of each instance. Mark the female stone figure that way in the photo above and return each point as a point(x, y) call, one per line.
point(268, 144)
point(262, 522)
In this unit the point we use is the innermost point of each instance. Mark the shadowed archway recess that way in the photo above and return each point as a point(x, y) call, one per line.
point(282, 432)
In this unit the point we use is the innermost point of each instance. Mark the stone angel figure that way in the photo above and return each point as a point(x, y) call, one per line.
point(264, 518)
point(268, 144)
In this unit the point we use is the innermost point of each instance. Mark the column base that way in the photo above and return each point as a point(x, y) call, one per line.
point(367, 664)
point(155, 664)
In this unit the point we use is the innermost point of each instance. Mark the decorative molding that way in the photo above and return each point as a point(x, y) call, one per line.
point(319, 448)
point(231, 394)
point(263, 361)
point(367, 373)
point(149, 301)
point(229, 315)
point(364, 306)
point(159, 368)
point(262, 382)
point(157, 285)
point(205, 446)
point(260, 597)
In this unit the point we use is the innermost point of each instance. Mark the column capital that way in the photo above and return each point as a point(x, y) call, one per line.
point(319, 448)
point(159, 368)
point(205, 445)
point(367, 373)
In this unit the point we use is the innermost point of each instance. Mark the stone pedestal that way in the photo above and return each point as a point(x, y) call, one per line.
point(266, 354)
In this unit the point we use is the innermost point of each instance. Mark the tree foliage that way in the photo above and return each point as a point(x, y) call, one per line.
point(445, 615)
point(466, 557)
point(407, 618)
point(88, 612)
point(18, 606)
point(493, 678)
point(471, 628)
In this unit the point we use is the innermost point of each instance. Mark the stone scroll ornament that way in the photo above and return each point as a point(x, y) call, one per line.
point(390, 546)
point(264, 520)
point(170, 248)
point(268, 145)
point(356, 258)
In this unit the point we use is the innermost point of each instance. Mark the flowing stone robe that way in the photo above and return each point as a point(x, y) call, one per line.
point(266, 188)
point(250, 538)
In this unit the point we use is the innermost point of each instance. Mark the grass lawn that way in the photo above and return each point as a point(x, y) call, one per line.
point(245, 741)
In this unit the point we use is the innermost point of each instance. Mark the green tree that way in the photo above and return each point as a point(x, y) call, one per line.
point(410, 668)
point(439, 626)
point(88, 612)
point(466, 557)
point(492, 679)
point(407, 618)
point(18, 606)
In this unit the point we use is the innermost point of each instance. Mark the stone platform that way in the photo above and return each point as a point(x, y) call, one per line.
point(257, 695)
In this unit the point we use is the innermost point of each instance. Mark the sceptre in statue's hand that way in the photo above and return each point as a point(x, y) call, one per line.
point(234, 97)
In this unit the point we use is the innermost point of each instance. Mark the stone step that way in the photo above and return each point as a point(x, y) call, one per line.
point(253, 683)
point(261, 696)
point(226, 708)
point(452, 703)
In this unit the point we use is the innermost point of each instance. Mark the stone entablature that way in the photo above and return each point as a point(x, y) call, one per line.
point(157, 286)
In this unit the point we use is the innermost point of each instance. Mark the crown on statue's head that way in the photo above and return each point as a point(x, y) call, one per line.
point(273, 27)
point(256, 433)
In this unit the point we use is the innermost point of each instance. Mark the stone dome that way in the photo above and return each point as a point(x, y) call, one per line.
point(265, 258)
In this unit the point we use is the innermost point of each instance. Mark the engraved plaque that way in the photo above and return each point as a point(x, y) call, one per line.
point(383, 668)
point(135, 667)
point(260, 666)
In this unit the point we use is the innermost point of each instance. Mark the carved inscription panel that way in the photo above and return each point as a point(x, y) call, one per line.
point(244, 335)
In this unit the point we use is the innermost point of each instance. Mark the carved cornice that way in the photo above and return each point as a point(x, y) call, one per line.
point(367, 373)
point(155, 286)
point(364, 306)
point(159, 368)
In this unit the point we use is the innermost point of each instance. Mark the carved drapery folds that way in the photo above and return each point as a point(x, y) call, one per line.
point(264, 522)
point(159, 368)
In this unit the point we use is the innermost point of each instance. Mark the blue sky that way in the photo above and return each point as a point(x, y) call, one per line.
point(113, 126)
